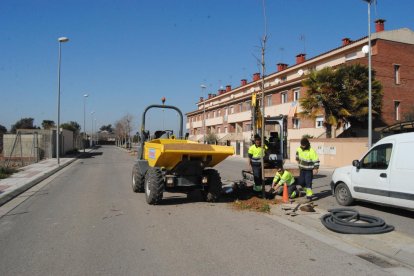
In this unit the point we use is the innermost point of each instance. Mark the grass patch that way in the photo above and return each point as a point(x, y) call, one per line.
point(6, 172)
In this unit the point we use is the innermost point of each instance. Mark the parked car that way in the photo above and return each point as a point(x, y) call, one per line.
point(385, 174)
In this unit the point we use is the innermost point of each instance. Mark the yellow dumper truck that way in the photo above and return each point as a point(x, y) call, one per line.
point(175, 164)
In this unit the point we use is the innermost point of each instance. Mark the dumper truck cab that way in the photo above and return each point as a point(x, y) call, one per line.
point(175, 164)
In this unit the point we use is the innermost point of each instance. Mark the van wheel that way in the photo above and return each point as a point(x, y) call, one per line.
point(343, 195)
point(214, 186)
point(154, 186)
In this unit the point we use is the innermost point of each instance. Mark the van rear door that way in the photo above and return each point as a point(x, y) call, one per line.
point(371, 180)
point(402, 175)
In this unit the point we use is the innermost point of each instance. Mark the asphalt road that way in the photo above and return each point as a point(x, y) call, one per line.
point(87, 221)
point(402, 219)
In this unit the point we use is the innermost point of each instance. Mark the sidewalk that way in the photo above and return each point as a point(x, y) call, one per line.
point(381, 249)
point(30, 175)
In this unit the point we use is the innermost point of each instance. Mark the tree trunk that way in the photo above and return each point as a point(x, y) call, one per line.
point(328, 131)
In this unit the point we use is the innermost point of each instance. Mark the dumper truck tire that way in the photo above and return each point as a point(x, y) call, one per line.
point(213, 192)
point(138, 180)
point(154, 186)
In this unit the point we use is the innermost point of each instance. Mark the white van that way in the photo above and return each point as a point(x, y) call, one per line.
point(384, 175)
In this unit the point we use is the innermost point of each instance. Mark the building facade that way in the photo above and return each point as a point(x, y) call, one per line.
point(227, 114)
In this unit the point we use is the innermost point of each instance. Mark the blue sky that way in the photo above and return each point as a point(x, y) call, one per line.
point(129, 54)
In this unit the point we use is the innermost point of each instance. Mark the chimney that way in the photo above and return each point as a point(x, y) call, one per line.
point(346, 41)
point(379, 25)
point(201, 99)
point(228, 88)
point(256, 76)
point(300, 58)
point(222, 91)
point(281, 66)
point(243, 82)
point(209, 95)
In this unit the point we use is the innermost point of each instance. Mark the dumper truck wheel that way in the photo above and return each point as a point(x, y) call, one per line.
point(213, 191)
point(154, 186)
point(138, 180)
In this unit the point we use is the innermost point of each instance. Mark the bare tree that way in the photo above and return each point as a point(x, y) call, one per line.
point(123, 128)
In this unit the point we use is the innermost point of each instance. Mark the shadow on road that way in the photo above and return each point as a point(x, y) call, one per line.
point(386, 209)
point(87, 155)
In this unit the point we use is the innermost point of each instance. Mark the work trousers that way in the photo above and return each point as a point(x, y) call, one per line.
point(257, 174)
point(291, 189)
point(305, 178)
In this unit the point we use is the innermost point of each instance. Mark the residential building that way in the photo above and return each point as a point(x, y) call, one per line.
point(228, 112)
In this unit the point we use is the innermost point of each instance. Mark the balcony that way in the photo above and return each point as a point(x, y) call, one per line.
point(239, 117)
point(214, 121)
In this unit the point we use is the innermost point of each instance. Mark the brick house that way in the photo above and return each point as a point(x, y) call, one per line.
point(228, 112)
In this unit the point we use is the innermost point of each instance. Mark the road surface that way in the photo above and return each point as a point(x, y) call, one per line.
point(86, 220)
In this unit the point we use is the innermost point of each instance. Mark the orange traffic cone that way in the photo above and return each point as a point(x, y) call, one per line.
point(285, 197)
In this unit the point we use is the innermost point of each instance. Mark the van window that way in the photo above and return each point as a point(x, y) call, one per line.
point(378, 158)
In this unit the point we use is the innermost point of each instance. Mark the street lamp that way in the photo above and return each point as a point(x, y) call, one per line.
point(84, 123)
point(60, 40)
point(92, 128)
point(203, 87)
point(96, 130)
point(369, 76)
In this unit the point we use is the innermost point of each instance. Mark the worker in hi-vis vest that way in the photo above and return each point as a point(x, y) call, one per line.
point(255, 162)
point(283, 176)
point(308, 165)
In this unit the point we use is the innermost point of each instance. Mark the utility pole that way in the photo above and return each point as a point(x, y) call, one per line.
point(203, 87)
point(262, 97)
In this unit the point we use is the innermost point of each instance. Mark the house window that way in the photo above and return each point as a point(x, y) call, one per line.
point(218, 129)
point(247, 127)
point(283, 97)
point(218, 113)
point(397, 110)
point(248, 105)
point(296, 123)
point(397, 73)
point(231, 109)
point(296, 94)
point(225, 129)
point(319, 122)
point(240, 107)
point(269, 100)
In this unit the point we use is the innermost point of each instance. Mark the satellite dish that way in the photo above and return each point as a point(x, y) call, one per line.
point(365, 49)
point(300, 72)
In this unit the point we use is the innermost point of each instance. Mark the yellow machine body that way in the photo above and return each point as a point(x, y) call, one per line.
point(168, 153)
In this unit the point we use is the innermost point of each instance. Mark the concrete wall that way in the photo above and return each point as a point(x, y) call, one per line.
point(39, 142)
point(334, 152)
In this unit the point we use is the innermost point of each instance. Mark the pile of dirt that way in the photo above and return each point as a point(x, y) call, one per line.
point(255, 204)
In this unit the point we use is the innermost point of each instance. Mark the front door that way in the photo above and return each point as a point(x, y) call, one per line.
point(371, 181)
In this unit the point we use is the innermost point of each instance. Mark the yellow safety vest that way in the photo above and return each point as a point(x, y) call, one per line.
point(286, 177)
point(308, 159)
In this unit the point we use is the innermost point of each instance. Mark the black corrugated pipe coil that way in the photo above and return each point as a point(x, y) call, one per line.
point(350, 221)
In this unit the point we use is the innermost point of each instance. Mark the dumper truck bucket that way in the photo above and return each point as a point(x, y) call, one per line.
point(168, 153)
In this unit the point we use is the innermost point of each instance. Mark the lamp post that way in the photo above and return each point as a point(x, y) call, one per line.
point(60, 40)
point(96, 130)
point(369, 76)
point(203, 87)
point(84, 123)
point(92, 128)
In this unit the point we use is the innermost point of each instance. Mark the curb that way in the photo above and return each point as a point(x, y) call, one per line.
point(9, 196)
point(383, 245)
